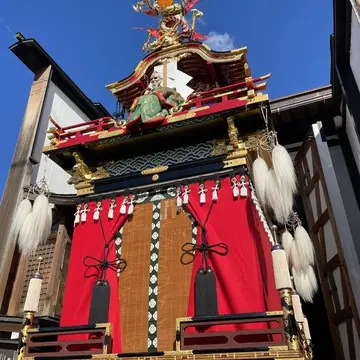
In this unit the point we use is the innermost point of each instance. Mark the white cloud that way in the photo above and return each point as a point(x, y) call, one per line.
point(220, 42)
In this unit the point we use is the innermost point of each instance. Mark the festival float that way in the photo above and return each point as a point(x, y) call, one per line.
point(186, 244)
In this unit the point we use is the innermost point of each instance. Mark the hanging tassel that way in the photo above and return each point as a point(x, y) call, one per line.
point(235, 188)
point(287, 243)
point(284, 169)
point(41, 219)
point(312, 278)
point(306, 329)
point(211, 306)
point(186, 194)
point(280, 201)
point(33, 294)
point(26, 236)
point(215, 190)
point(243, 191)
point(111, 209)
point(35, 230)
point(84, 212)
point(200, 293)
point(305, 252)
point(202, 192)
point(123, 205)
point(296, 302)
point(49, 222)
point(131, 206)
point(260, 173)
point(179, 201)
point(281, 267)
point(96, 215)
point(22, 212)
point(77, 214)
point(303, 284)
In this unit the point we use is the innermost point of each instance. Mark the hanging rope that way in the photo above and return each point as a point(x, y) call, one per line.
point(191, 250)
point(102, 266)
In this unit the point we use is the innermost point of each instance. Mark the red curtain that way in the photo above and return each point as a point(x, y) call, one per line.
point(244, 277)
point(88, 240)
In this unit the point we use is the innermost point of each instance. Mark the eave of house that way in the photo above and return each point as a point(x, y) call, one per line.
point(30, 52)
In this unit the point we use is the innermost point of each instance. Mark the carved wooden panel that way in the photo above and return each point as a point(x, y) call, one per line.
point(333, 242)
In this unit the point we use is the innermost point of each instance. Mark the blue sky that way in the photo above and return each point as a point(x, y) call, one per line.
point(93, 41)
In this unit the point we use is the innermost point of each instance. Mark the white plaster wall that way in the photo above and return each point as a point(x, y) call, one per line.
point(353, 137)
point(65, 113)
point(355, 46)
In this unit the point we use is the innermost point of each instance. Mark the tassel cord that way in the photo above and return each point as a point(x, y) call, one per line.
point(101, 266)
point(191, 250)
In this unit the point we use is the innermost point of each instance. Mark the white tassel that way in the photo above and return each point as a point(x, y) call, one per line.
point(303, 285)
point(202, 193)
point(243, 191)
point(33, 295)
point(49, 222)
point(41, 219)
point(179, 201)
point(306, 329)
point(284, 169)
point(111, 209)
point(280, 201)
point(77, 215)
point(235, 188)
point(84, 212)
point(260, 173)
point(131, 209)
point(186, 195)
point(305, 252)
point(35, 230)
point(131, 206)
point(312, 278)
point(26, 236)
point(215, 190)
point(281, 268)
point(287, 242)
point(298, 313)
point(22, 212)
point(123, 206)
point(96, 215)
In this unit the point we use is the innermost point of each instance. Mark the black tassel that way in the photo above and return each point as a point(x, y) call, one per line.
point(211, 295)
point(200, 293)
point(99, 306)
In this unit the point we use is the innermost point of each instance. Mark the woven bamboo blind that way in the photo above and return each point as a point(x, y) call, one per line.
point(173, 277)
point(134, 281)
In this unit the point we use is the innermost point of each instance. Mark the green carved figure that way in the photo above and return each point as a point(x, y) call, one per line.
point(156, 103)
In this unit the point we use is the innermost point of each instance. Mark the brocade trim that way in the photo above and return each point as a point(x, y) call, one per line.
point(161, 158)
point(261, 213)
point(194, 229)
point(118, 244)
point(153, 277)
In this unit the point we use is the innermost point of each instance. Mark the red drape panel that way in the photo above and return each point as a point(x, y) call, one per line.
point(88, 240)
point(245, 280)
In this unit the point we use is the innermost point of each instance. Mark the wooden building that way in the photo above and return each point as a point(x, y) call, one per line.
point(144, 177)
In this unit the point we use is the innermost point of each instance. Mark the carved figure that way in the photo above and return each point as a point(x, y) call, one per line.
point(156, 103)
point(81, 172)
point(173, 26)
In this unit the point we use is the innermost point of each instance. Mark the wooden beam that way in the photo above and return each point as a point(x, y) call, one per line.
point(20, 170)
